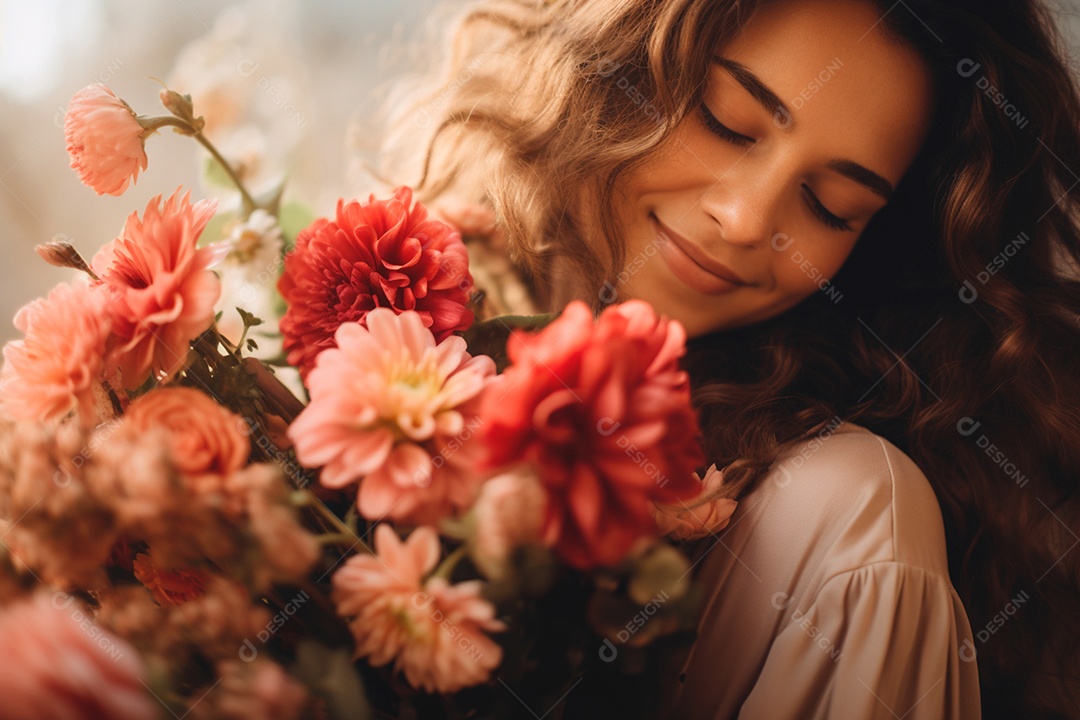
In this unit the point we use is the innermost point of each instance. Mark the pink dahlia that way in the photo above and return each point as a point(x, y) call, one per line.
point(162, 293)
point(704, 516)
point(433, 631)
point(378, 254)
point(58, 665)
point(59, 365)
point(394, 409)
point(104, 139)
point(603, 412)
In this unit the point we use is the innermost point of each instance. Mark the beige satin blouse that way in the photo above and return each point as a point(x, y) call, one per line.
point(828, 596)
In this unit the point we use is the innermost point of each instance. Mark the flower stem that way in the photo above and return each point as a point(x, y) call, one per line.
point(446, 567)
point(305, 498)
point(249, 203)
point(152, 124)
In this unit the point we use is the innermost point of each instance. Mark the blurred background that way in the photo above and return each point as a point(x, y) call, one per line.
point(292, 86)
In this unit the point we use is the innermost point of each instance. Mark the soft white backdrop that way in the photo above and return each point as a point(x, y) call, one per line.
point(304, 71)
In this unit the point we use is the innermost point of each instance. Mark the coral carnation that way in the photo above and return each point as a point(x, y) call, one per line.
point(59, 365)
point(434, 632)
point(394, 409)
point(104, 139)
point(59, 666)
point(161, 293)
point(604, 414)
point(374, 254)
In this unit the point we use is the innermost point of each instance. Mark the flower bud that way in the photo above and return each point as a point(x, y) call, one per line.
point(62, 254)
point(180, 106)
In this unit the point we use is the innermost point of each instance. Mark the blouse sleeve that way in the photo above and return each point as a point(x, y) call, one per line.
point(886, 640)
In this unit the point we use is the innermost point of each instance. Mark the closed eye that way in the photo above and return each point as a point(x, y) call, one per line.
point(819, 210)
point(727, 134)
point(721, 130)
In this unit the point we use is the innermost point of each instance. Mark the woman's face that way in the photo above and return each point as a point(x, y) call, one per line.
point(810, 118)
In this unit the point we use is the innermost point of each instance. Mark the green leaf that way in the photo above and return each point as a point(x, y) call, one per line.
point(214, 174)
point(663, 573)
point(489, 337)
point(250, 320)
point(330, 674)
point(215, 229)
point(294, 217)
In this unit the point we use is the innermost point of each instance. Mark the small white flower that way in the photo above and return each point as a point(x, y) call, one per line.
point(255, 245)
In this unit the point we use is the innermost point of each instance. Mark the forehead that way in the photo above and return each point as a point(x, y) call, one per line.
point(851, 90)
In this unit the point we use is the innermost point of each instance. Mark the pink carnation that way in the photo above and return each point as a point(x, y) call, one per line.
point(604, 414)
point(434, 632)
point(162, 293)
point(393, 409)
point(382, 253)
point(260, 689)
point(59, 666)
point(704, 516)
point(59, 365)
point(104, 139)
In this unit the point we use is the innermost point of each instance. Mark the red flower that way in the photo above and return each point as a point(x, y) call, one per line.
point(603, 412)
point(382, 253)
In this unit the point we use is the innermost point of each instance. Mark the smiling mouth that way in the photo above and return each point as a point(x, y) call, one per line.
point(686, 262)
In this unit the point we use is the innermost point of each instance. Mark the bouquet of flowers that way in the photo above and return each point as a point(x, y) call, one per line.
point(439, 516)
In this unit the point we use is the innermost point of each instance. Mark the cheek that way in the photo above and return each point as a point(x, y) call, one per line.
point(802, 268)
point(685, 161)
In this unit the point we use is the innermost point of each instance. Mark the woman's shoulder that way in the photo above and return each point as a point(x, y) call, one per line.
point(856, 499)
point(832, 580)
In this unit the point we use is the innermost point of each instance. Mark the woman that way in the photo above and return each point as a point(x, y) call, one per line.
point(864, 213)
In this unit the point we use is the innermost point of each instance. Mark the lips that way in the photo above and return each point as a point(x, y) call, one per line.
point(694, 269)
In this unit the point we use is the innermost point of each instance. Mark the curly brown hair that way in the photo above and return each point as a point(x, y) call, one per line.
point(960, 301)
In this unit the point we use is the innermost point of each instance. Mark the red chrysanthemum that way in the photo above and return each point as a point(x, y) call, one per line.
point(603, 412)
point(382, 253)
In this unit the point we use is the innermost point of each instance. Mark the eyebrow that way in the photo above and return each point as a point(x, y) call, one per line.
point(775, 106)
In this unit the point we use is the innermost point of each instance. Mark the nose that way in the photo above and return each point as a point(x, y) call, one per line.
point(743, 209)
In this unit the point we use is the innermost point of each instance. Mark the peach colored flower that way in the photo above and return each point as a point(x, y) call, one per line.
point(395, 410)
point(62, 529)
point(58, 665)
point(104, 139)
point(60, 363)
point(509, 513)
point(378, 254)
point(169, 586)
point(206, 440)
point(161, 291)
point(259, 690)
point(603, 412)
point(698, 518)
point(259, 497)
point(434, 632)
